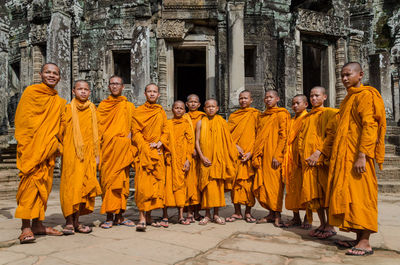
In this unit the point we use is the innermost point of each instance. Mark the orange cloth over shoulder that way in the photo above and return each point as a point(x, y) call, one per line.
point(115, 120)
point(38, 124)
point(270, 143)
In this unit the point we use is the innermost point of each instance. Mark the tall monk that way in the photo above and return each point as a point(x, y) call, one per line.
point(268, 157)
point(38, 122)
point(217, 153)
point(115, 123)
point(357, 141)
point(79, 186)
point(193, 196)
point(292, 173)
point(150, 137)
point(181, 145)
point(315, 174)
point(242, 125)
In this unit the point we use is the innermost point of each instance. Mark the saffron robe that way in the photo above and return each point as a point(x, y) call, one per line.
point(115, 120)
point(38, 121)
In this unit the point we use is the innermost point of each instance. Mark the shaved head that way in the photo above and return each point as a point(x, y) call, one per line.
point(151, 84)
point(193, 96)
point(356, 66)
point(301, 96)
point(178, 102)
point(272, 91)
point(211, 100)
point(41, 69)
point(245, 91)
point(320, 88)
point(80, 81)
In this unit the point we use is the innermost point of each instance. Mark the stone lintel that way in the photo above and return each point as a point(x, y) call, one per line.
point(316, 22)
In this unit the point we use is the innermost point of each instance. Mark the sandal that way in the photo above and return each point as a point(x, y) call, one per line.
point(184, 221)
point(263, 220)
point(346, 243)
point(68, 230)
point(83, 229)
point(316, 232)
point(306, 226)
point(250, 219)
point(49, 231)
point(26, 237)
point(219, 220)
point(127, 222)
point(107, 225)
point(292, 223)
point(191, 219)
point(164, 223)
point(153, 224)
point(199, 218)
point(141, 227)
point(280, 225)
point(366, 252)
point(204, 221)
point(232, 219)
point(326, 234)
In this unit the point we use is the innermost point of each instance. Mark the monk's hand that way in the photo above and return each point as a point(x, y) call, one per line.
point(312, 160)
point(206, 161)
point(186, 166)
point(359, 165)
point(240, 150)
point(275, 163)
point(246, 157)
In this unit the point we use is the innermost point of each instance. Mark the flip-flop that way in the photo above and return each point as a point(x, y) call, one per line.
point(26, 237)
point(191, 219)
point(68, 230)
point(49, 231)
point(154, 224)
point(199, 218)
point(183, 221)
point(250, 220)
point(164, 223)
point(204, 221)
point(82, 229)
point(366, 252)
point(262, 221)
point(345, 244)
point(315, 232)
point(330, 233)
point(232, 219)
point(127, 222)
point(141, 227)
point(219, 220)
point(107, 225)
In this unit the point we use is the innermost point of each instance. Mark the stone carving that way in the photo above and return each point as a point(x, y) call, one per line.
point(38, 33)
point(189, 4)
point(172, 29)
point(311, 21)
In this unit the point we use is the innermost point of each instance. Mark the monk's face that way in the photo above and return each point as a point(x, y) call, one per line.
point(116, 85)
point(245, 100)
point(193, 103)
point(81, 91)
point(152, 94)
point(178, 109)
point(317, 97)
point(211, 108)
point(271, 99)
point(351, 76)
point(299, 105)
point(50, 75)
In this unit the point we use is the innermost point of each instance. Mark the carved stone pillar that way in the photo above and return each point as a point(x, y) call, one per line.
point(385, 84)
point(162, 71)
point(340, 58)
point(26, 71)
point(4, 29)
point(354, 48)
point(223, 85)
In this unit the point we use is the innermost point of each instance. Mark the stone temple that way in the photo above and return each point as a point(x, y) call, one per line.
point(214, 48)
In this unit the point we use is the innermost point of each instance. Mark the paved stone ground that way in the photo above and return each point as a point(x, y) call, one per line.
point(234, 243)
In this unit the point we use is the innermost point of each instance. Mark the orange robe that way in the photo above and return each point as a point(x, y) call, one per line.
point(217, 145)
point(38, 122)
point(149, 126)
point(291, 168)
point(181, 146)
point(360, 127)
point(115, 121)
point(270, 143)
point(79, 185)
point(193, 195)
point(242, 125)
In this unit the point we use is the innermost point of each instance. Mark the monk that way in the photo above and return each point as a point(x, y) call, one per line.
point(38, 121)
point(242, 125)
point(115, 123)
point(315, 174)
point(355, 142)
point(150, 138)
point(181, 145)
point(292, 173)
point(193, 195)
point(218, 154)
point(79, 186)
point(268, 157)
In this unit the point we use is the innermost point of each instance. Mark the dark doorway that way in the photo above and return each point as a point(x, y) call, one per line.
point(190, 73)
point(312, 54)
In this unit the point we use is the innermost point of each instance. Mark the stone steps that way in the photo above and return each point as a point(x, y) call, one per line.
point(393, 130)
point(391, 161)
point(389, 187)
point(388, 174)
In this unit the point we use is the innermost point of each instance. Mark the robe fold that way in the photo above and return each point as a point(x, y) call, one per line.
point(270, 143)
point(115, 122)
point(149, 126)
point(38, 124)
point(242, 125)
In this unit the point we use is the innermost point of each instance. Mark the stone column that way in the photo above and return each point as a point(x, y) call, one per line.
point(222, 71)
point(386, 84)
point(26, 71)
point(236, 52)
point(340, 58)
point(4, 29)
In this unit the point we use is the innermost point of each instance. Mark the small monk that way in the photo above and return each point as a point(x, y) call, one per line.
point(79, 186)
point(268, 157)
point(292, 173)
point(357, 139)
point(242, 125)
point(38, 122)
point(315, 174)
point(115, 123)
point(181, 145)
point(217, 153)
point(150, 138)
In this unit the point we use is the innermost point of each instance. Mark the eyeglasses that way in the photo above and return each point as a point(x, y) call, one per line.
point(115, 84)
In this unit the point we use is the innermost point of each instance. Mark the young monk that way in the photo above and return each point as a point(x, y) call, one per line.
point(217, 153)
point(315, 174)
point(38, 122)
point(268, 157)
point(357, 140)
point(242, 125)
point(115, 122)
point(150, 137)
point(79, 185)
point(292, 173)
point(181, 145)
point(192, 181)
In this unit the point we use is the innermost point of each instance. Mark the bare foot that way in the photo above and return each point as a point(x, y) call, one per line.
point(293, 223)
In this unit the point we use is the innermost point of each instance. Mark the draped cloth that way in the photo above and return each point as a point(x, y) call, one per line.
point(217, 145)
point(149, 125)
point(270, 143)
point(242, 125)
point(79, 186)
point(115, 122)
point(38, 122)
point(360, 127)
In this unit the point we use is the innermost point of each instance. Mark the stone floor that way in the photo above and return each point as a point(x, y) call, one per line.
point(234, 243)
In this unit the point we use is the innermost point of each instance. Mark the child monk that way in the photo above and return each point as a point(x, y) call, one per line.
point(291, 172)
point(315, 174)
point(150, 137)
point(115, 119)
point(181, 145)
point(38, 121)
point(217, 153)
point(79, 185)
point(193, 195)
point(242, 125)
point(268, 157)
point(357, 141)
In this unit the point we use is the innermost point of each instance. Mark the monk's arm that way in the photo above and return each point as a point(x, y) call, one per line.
point(330, 137)
point(204, 159)
point(282, 136)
